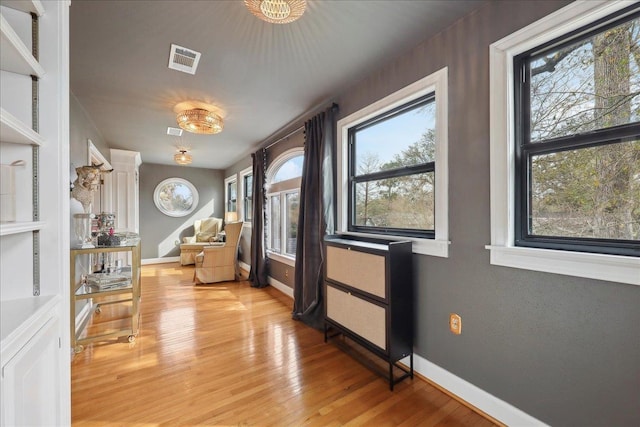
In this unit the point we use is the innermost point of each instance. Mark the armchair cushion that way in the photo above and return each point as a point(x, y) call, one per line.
point(210, 225)
point(205, 225)
point(206, 236)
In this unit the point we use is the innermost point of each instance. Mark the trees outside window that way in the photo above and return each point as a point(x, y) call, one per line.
point(578, 140)
point(392, 171)
point(393, 168)
point(548, 144)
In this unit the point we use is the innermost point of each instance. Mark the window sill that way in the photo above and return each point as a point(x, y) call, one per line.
point(439, 248)
point(612, 268)
point(290, 261)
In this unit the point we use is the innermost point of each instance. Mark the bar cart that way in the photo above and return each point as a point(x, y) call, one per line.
point(113, 285)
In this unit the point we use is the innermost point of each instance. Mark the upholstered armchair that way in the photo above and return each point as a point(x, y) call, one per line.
point(205, 232)
point(220, 263)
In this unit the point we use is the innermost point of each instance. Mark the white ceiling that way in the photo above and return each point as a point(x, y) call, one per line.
point(258, 76)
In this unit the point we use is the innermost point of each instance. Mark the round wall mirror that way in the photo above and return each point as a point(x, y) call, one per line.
point(175, 197)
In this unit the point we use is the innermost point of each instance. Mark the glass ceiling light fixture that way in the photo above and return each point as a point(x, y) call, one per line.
point(182, 157)
point(198, 120)
point(277, 11)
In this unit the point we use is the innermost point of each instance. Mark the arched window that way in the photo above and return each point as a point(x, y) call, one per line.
point(283, 200)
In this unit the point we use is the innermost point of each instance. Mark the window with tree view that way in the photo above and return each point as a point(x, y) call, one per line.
point(392, 171)
point(284, 178)
point(247, 183)
point(578, 140)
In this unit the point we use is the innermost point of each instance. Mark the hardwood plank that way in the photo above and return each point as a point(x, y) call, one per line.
point(229, 354)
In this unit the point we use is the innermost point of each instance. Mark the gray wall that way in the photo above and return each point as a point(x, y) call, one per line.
point(563, 349)
point(159, 232)
point(81, 128)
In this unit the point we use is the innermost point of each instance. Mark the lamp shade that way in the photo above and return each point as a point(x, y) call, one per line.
point(182, 158)
point(198, 120)
point(231, 217)
point(277, 11)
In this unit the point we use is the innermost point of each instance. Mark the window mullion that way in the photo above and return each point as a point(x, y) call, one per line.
point(591, 139)
point(283, 222)
point(394, 173)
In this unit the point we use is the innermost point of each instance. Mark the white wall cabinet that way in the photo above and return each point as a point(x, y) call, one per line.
point(34, 252)
point(30, 378)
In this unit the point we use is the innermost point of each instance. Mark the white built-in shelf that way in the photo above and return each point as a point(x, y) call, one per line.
point(29, 6)
point(7, 228)
point(14, 55)
point(22, 317)
point(17, 132)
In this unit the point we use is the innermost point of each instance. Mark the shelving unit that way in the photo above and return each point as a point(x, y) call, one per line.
point(16, 132)
point(25, 6)
point(34, 123)
point(130, 292)
point(9, 228)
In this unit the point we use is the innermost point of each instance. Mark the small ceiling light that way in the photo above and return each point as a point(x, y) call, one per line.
point(182, 157)
point(277, 11)
point(199, 120)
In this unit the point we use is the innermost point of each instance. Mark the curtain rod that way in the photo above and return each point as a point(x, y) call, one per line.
point(334, 106)
point(284, 137)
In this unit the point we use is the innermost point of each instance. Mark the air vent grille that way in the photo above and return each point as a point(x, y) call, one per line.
point(183, 59)
point(174, 131)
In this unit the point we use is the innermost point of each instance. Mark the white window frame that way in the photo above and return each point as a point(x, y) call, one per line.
point(227, 181)
point(434, 83)
point(614, 268)
point(241, 212)
point(271, 172)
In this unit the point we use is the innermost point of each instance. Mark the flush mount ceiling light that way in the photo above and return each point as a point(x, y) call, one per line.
point(182, 157)
point(198, 120)
point(277, 11)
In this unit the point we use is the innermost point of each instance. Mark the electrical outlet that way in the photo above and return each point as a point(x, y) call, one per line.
point(286, 273)
point(455, 323)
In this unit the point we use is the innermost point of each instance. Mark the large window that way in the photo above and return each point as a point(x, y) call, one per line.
point(246, 176)
point(231, 195)
point(565, 144)
point(578, 141)
point(283, 194)
point(392, 171)
point(392, 167)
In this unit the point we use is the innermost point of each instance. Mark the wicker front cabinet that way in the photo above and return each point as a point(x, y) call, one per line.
point(369, 298)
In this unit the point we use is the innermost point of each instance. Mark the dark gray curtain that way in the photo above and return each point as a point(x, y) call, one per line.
point(316, 217)
point(259, 262)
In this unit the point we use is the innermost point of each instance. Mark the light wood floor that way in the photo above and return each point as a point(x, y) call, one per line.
point(229, 354)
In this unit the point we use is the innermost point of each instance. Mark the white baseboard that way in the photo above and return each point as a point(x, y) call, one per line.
point(83, 316)
point(281, 287)
point(246, 267)
point(160, 260)
point(273, 282)
point(486, 402)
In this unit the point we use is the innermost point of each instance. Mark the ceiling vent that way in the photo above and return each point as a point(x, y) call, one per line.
point(174, 131)
point(183, 59)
